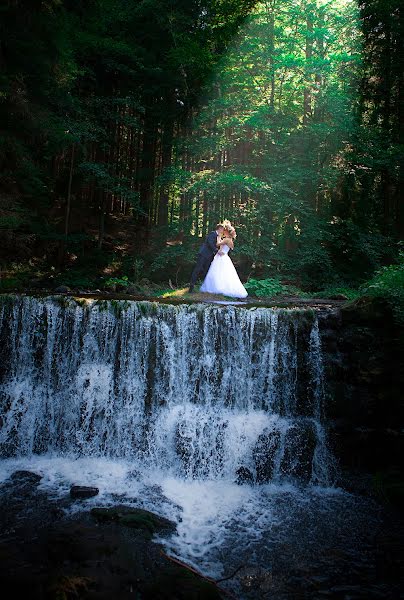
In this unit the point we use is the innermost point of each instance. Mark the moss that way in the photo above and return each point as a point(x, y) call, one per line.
point(8, 299)
point(136, 518)
point(63, 301)
point(105, 514)
point(117, 307)
point(102, 305)
point(147, 308)
point(139, 522)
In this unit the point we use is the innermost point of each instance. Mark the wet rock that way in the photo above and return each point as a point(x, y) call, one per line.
point(300, 443)
point(135, 518)
point(78, 556)
point(363, 368)
point(255, 579)
point(82, 491)
point(26, 477)
point(22, 484)
point(244, 475)
point(264, 454)
point(62, 289)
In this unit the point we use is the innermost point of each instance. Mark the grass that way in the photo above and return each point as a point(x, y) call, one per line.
point(183, 294)
point(328, 292)
point(265, 292)
point(179, 293)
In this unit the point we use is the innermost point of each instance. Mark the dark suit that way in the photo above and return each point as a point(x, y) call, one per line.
point(205, 257)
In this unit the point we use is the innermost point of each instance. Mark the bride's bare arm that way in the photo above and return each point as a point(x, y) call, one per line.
point(229, 242)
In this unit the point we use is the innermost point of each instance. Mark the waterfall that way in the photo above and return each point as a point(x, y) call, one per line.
point(201, 391)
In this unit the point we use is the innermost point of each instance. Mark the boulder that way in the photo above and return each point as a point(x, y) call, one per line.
point(82, 491)
point(300, 443)
point(25, 477)
point(264, 454)
point(62, 289)
point(133, 290)
point(135, 518)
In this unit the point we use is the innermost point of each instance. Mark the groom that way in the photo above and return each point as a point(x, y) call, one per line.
point(205, 255)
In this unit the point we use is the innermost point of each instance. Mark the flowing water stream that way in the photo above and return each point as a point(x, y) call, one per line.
point(214, 416)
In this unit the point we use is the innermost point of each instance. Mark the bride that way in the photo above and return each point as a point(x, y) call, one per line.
point(222, 276)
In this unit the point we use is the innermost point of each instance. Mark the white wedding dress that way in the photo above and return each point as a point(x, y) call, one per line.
point(222, 277)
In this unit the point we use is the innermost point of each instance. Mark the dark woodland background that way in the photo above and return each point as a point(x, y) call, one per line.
point(129, 128)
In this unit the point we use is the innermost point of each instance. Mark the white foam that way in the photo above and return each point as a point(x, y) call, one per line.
point(213, 517)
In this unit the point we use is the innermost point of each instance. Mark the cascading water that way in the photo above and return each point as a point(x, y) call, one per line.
point(170, 408)
point(199, 391)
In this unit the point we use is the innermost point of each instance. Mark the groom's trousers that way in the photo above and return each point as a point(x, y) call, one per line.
point(201, 268)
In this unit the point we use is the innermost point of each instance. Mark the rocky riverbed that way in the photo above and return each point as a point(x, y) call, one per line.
point(49, 553)
point(60, 548)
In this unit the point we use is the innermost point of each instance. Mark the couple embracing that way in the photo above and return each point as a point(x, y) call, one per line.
point(215, 264)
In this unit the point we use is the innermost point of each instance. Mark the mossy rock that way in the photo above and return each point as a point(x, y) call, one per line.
point(136, 518)
point(8, 299)
point(139, 522)
point(367, 309)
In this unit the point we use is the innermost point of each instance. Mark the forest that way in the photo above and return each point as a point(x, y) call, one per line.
point(243, 438)
point(130, 128)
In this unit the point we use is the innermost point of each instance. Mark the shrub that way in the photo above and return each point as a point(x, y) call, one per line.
point(388, 283)
point(266, 287)
point(117, 281)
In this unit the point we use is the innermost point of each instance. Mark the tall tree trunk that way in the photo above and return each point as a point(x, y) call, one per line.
point(62, 244)
point(318, 110)
point(307, 111)
point(69, 191)
point(167, 152)
point(147, 176)
point(271, 50)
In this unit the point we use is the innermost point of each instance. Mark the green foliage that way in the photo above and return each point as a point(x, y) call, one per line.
point(11, 221)
point(11, 283)
point(266, 287)
point(388, 283)
point(137, 269)
point(338, 290)
point(117, 281)
point(75, 278)
point(176, 260)
point(358, 251)
point(299, 148)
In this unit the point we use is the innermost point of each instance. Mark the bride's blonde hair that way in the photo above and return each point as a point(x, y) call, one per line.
point(229, 227)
